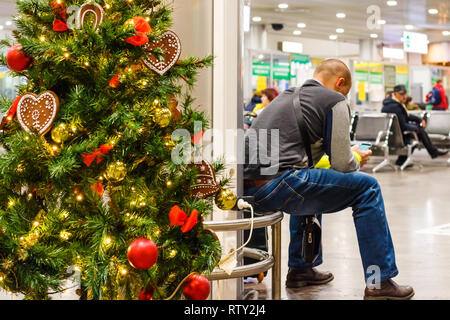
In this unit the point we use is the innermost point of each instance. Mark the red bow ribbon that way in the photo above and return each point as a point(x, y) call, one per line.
point(179, 218)
point(114, 83)
point(59, 25)
point(98, 188)
point(59, 10)
point(99, 153)
point(142, 29)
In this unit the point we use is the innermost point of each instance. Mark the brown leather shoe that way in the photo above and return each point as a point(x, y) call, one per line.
point(389, 290)
point(299, 279)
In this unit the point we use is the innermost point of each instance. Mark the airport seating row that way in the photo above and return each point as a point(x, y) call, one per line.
point(382, 130)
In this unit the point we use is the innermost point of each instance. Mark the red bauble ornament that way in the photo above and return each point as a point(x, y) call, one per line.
point(196, 287)
point(17, 60)
point(142, 253)
point(146, 294)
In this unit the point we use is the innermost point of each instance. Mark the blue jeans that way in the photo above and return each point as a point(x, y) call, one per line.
point(319, 191)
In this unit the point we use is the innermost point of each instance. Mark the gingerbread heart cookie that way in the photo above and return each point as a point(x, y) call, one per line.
point(38, 111)
point(170, 45)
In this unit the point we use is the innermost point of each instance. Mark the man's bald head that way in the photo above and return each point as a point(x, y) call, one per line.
point(335, 75)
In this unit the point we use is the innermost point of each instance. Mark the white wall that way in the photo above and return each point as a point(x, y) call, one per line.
point(193, 23)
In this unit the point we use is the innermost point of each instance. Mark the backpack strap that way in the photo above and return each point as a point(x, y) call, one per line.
point(301, 123)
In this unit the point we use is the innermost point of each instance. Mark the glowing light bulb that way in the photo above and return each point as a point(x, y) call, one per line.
point(173, 253)
point(27, 138)
point(11, 203)
point(123, 271)
point(169, 183)
point(107, 6)
point(79, 197)
point(42, 38)
point(35, 223)
point(64, 235)
point(9, 118)
point(66, 55)
point(86, 63)
point(108, 240)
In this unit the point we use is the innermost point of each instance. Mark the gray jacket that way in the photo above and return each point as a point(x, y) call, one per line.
point(274, 143)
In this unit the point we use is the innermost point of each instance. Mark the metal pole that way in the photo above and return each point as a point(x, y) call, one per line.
point(276, 269)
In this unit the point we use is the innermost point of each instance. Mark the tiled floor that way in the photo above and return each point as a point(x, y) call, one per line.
point(416, 200)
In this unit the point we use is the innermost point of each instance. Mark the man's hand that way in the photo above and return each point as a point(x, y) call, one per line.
point(424, 124)
point(365, 155)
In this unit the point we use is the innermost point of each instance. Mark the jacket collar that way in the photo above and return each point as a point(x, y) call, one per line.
point(312, 83)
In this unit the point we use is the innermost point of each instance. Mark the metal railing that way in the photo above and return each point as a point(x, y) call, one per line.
point(266, 260)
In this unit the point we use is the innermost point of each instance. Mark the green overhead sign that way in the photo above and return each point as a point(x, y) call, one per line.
point(282, 71)
point(261, 69)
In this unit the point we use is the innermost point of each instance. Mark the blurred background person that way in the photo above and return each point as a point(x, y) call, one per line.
point(256, 99)
point(437, 97)
point(410, 105)
point(267, 96)
point(408, 122)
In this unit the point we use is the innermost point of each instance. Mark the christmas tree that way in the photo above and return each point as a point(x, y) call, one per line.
point(87, 175)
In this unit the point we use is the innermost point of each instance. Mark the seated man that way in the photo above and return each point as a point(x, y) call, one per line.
point(289, 183)
point(408, 122)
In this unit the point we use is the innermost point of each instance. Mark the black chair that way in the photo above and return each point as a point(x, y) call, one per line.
point(382, 130)
point(438, 128)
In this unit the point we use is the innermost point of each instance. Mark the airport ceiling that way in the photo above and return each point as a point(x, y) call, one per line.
point(320, 17)
point(321, 21)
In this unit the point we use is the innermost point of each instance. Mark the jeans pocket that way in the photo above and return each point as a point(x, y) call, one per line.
point(282, 198)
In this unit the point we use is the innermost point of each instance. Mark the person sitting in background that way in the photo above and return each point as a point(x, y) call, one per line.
point(256, 99)
point(248, 110)
point(408, 122)
point(437, 97)
point(267, 96)
point(388, 93)
point(410, 105)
